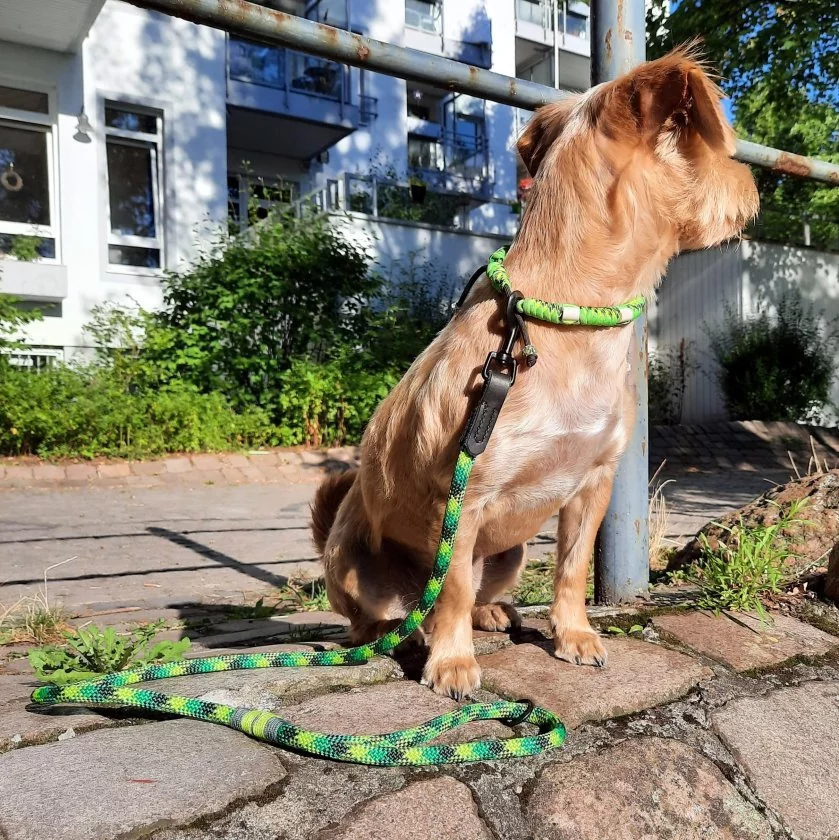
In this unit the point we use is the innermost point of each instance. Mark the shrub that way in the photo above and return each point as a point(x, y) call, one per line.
point(291, 288)
point(12, 320)
point(284, 336)
point(668, 375)
point(776, 367)
point(85, 411)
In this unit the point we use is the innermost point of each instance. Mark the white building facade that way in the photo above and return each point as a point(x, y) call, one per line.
point(129, 139)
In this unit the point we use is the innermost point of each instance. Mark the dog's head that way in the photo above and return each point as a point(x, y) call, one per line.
point(647, 153)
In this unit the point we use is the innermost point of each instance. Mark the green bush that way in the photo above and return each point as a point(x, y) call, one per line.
point(12, 320)
point(284, 336)
point(776, 367)
point(291, 288)
point(84, 411)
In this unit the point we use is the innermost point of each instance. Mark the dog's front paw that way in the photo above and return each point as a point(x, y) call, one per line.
point(456, 677)
point(494, 617)
point(582, 647)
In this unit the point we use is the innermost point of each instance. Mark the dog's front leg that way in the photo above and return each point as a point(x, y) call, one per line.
point(579, 519)
point(452, 669)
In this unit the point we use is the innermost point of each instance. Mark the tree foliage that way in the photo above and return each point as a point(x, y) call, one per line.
point(779, 64)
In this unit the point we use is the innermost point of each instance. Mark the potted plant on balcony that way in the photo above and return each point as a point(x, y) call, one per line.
point(418, 189)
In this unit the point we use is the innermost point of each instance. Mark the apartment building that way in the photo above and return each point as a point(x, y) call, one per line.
point(128, 138)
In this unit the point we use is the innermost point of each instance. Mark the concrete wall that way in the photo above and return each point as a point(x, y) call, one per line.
point(402, 248)
point(747, 277)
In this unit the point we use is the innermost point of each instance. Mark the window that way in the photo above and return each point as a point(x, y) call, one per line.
point(133, 139)
point(531, 11)
point(256, 63)
point(424, 153)
point(576, 24)
point(423, 14)
point(27, 204)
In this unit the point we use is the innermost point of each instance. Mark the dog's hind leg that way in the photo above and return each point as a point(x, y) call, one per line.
point(574, 638)
point(493, 576)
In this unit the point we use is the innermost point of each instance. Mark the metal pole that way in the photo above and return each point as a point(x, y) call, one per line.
point(622, 566)
point(268, 26)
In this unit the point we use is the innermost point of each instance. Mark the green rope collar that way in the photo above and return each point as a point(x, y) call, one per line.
point(560, 313)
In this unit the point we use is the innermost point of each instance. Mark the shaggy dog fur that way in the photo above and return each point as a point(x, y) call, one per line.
point(625, 175)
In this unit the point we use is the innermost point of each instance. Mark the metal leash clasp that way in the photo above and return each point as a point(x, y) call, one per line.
point(504, 357)
point(499, 375)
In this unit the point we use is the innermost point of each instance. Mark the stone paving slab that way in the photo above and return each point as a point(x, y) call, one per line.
point(755, 645)
point(639, 675)
point(436, 809)
point(644, 788)
point(126, 782)
point(20, 727)
point(385, 708)
point(787, 742)
point(16, 687)
point(270, 688)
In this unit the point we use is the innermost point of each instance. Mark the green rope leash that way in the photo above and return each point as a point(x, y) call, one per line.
point(404, 747)
point(560, 313)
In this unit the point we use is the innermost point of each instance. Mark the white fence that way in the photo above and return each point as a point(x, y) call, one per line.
point(746, 277)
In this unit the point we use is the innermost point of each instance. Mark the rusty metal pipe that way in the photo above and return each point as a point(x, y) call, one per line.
point(258, 23)
point(622, 551)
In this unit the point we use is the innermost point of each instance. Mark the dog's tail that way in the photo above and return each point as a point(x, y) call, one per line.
point(328, 499)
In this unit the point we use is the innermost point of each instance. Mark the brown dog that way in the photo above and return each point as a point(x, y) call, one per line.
point(625, 176)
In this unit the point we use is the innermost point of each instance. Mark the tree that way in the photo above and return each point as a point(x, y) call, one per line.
point(779, 64)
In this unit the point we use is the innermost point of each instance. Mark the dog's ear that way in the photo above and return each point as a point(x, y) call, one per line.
point(674, 95)
point(542, 130)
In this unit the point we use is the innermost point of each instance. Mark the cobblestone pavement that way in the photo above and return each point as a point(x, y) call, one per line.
point(668, 741)
point(699, 727)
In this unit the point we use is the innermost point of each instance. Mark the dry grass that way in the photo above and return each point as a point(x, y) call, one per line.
point(814, 466)
point(32, 621)
point(660, 546)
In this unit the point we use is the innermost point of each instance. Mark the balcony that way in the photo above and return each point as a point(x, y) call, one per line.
point(286, 103)
point(49, 24)
point(535, 22)
point(450, 159)
point(393, 199)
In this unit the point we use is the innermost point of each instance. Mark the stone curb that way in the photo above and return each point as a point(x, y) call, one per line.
point(749, 446)
point(263, 467)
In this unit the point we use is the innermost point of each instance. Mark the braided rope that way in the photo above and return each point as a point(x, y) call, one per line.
point(563, 313)
point(403, 747)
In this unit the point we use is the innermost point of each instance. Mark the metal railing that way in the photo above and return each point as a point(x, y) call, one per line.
point(540, 13)
point(389, 198)
point(286, 70)
point(622, 570)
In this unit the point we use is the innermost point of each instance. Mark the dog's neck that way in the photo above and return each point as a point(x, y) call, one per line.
point(577, 244)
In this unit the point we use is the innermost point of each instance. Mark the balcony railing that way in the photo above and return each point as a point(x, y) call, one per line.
point(388, 198)
point(287, 70)
point(542, 14)
point(453, 151)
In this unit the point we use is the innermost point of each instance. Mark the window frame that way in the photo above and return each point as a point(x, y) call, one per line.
point(155, 143)
point(46, 124)
point(436, 18)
